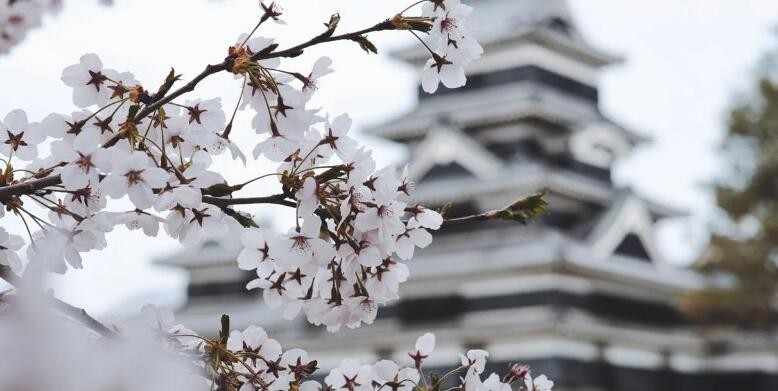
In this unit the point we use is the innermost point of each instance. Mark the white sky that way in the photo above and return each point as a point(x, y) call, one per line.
point(685, 60)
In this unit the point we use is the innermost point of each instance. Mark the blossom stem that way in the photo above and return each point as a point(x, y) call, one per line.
point(411, 6)
point(423, 43)
point(262, 20)
point(490, 215)
point(258, 178)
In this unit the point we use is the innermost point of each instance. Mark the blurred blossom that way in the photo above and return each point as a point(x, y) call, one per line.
point(51, 352)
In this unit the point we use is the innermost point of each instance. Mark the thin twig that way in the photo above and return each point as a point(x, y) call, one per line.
point(82, 316)
point(278, 199)
point(490, 215)
point(321, 38)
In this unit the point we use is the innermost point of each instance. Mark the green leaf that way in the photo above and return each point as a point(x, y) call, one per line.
point(525, 209)
point(167, 84)
point(445, 209)
point(365, 44)
point(435, 381)
point(220, 190)
point(133, 110)
point(422, 26)
point(224, 333)
point(244, 219)
point(330, 174)
point(332, 25)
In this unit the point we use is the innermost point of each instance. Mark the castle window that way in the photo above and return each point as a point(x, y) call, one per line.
point(632, 246)
point(559, 25)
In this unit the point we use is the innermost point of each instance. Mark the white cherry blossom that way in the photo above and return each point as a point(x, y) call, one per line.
point(401, 379)
point(133, 174)
point(18, 137)
point(88, 80)
point(85, 160)
point(10, 244)
point(540, 383)
point(351, 375)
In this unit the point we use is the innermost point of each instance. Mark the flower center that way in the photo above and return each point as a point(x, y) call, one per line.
point(134, 177)
point(84, 162)
point(448, 24)
point(15, 140)
point(96, 79)
point(300, 243)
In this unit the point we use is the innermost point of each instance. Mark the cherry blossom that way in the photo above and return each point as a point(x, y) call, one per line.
point(493, 383)
point(353, 227)
point(132, 174)
point(440, 69)
point(89, 82)
point(254, 340)
point(303, 245)
point(9, 245)
point(18, 137)
point(84, 160)
point(424, 347)
point(340, 261)
point(452, 47)
point(351, 375)
point(396, 377)
point(540, 383)
point(138, 219)
point(335, 136)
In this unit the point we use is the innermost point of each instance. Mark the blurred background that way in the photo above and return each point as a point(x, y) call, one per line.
point(651, 124)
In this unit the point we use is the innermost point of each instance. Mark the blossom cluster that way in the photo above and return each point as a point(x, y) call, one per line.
point(17, 17)
point(452, 47)
point(249, 360)
point(156, 353)
point(151, 154)
point(354, 224)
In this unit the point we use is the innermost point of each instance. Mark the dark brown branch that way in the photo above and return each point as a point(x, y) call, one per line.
point(278, 199)
point(28, 187)
point(297, 50)
point(290, 52)
point(188, 87)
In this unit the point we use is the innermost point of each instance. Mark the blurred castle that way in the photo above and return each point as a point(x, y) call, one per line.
point(581, 295)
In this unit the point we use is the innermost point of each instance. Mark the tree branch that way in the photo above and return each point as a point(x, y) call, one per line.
point(188, 87)
point(28, 187)
point(82, 316)
point(321, 38)
point(37, 184)
point(78, 314)
point(290, 52)
point(278, 199)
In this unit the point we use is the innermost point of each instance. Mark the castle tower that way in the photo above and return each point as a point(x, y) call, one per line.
point(581, 294)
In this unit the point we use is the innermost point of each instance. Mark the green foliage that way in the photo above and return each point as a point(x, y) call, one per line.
point(224, 332)
point(171, 79)
point(525, 209)
point(244, 219)
point(365, 44)
point(748, 192)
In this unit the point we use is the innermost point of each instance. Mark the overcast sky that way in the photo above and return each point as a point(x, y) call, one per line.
point(685, 63)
